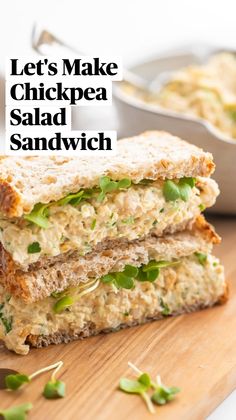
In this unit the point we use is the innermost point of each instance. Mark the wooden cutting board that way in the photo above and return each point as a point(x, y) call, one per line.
point(196, 352)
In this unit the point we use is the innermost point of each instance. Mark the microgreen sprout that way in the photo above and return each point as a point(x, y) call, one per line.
point(107, 185)
point(67, 300)
point(62, 304)
point(16, 381)
point(128, 221)
point(188, 180)
point(143, 384)
point(163, 394)
point(173, 191)
point(184, 190)
point(40, 213)
point(75, 199)
point(170, 191)
point(16, 413)
point(118, 280)
point(54, 388)
point(147, 272)
point(124, 279)
point(140, 387)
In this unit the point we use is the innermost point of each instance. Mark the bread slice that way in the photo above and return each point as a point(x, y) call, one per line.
point(26, 181)
point(70, 269)
point(184, 287)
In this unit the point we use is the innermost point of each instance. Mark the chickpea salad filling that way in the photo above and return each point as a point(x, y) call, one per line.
point(114, 209)
point(159, 288)
point(205, 91)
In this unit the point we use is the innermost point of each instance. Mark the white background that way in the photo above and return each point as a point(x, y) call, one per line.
point(134, 29)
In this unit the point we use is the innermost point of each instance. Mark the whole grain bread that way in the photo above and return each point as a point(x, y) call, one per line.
point(71, 269)
point(25, 181)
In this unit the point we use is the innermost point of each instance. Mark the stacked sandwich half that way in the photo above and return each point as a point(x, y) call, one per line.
point(90, 246)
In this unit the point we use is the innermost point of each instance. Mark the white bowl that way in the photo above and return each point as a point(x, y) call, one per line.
point(136, 116)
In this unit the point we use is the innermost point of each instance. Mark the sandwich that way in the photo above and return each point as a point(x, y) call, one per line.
point(90, 247)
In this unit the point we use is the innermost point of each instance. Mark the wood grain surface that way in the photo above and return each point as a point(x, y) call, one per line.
point(196, 352)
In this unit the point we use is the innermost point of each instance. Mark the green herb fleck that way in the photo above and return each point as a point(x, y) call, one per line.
point(54, 389)
point(128, 221)
point(14, 382)
point(34, 248)
point(93, 224)
point(202, 207)
point(202, 258)
point(215, 264)
point(7, 322)
point(16, 413)
point(162, 210)
point(165, 308)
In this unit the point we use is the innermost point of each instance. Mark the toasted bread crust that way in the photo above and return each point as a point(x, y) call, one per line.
point(9, 199)
point(70, 269)
point(26, 181)
point(207, 230)
point(223, 299)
